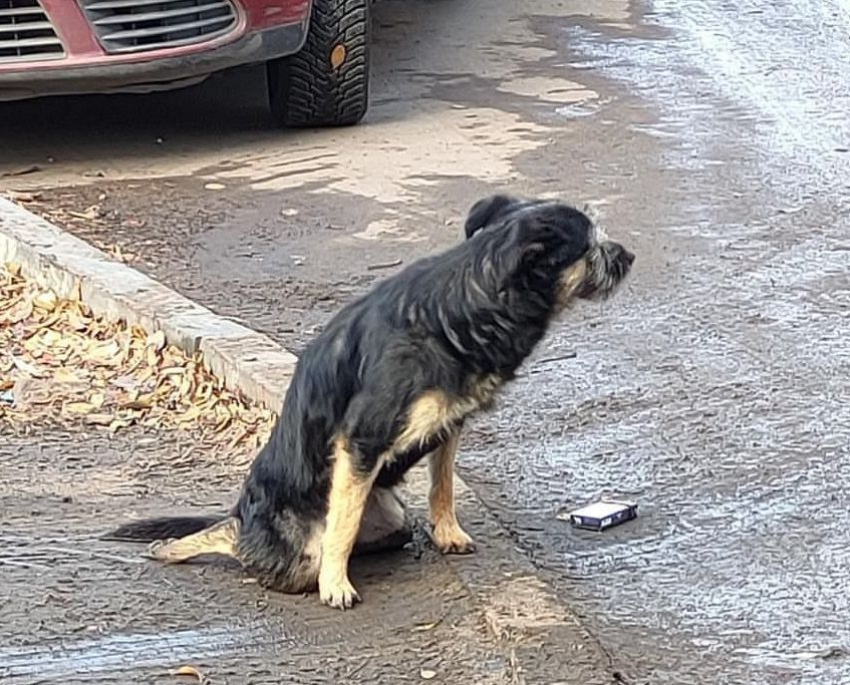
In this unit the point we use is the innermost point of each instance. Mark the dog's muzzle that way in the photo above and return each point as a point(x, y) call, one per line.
point(609, 263)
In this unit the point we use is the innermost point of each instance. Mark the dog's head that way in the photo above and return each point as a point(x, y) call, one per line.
point(557, 238)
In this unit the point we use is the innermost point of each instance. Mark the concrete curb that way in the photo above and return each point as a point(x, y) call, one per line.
point(245, 360)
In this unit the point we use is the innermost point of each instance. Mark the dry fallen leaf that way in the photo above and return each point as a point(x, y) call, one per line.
point(191, 414)
point(117, 424)
point(17, 313)
point(222, 425)
point(90, 213)
point(104, 352)
point(190, 671)
point(156, 340)
point(65, 375)
point(27, 368)
point(239, 437)
point(46, 301)
point(139, 403)
point(78, 407)
point(422, 627)
point(23, 197)
point(99, 419)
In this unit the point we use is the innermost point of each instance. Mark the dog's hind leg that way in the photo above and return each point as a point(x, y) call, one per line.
point(447, 534)
point(385, 525)
point(219, 538)
point(349, 492)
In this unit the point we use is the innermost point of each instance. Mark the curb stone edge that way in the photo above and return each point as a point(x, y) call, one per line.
point(246, 361)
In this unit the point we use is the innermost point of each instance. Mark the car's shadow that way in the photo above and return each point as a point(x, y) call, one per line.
point(228, 101)
point(227, 109)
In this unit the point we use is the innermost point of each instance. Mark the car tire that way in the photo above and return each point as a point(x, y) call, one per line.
point(326, 83)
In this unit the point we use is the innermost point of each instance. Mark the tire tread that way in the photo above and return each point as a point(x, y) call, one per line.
point(305, 91)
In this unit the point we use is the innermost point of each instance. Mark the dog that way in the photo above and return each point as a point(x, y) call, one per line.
point(388, 382)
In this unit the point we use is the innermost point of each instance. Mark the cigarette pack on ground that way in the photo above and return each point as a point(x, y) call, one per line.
point(602, 515)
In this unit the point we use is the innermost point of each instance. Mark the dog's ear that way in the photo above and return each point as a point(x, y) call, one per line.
point(486, 211)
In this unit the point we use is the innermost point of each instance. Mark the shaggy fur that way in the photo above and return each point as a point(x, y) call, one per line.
point(389, 381)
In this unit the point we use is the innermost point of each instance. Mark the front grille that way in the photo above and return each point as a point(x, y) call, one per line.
point(26, 33)
point(139, 25)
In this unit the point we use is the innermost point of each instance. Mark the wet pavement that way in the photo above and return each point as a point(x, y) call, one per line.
point(79, 610)
point(712, 390)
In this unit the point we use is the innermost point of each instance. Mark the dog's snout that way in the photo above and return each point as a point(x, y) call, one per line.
point(619, 254)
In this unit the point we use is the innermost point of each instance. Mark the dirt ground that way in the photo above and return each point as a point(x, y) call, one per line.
point(712, 390)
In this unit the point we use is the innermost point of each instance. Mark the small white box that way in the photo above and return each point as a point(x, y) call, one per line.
point(602, 515)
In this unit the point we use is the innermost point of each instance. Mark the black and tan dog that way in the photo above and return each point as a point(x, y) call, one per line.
point(391, 380)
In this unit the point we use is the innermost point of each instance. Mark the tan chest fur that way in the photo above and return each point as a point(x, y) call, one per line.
point(436, 412)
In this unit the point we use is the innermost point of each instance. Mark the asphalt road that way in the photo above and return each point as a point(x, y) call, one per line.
point(714, 136)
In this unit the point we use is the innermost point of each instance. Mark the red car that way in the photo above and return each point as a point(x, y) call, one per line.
point(316, 52)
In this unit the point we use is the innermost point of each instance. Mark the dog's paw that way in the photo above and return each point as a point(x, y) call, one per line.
point(452, 540)
point(339, 594)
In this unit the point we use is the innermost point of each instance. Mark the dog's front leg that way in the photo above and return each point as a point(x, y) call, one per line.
point(449, 537)
point(349, 492)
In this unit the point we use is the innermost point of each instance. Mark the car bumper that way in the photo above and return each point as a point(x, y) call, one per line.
point(151, 71)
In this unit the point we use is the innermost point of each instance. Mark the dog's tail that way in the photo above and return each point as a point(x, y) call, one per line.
point(162, 528)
